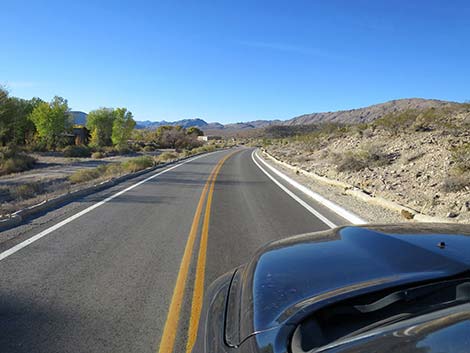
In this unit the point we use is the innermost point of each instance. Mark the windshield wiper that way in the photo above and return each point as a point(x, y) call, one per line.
point(462, 287)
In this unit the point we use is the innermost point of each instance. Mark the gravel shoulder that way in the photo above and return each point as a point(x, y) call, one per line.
point(371, 213)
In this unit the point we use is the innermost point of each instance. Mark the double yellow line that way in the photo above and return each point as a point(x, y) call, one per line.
point(168, 339)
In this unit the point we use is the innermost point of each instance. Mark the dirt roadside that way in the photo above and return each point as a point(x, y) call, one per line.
point(50, 178)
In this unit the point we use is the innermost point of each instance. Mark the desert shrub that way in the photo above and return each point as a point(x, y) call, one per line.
point(38, 146)
point(427, 120)
point(123, 150)
point(349, 161)
point(267, 142)
point(397, 122)
point(114, 169)
point(26, 191)
point(76, 151)
point(283, 131)
point(109, 151)
point(149, 148)
point(12, 160)
point(166, 156)
point(135, 164)
point(206, 148)
point(358, 129)
point(84, 175)
point(461, 158)
point(98, 155)
point(454, 183)
point(370, 157)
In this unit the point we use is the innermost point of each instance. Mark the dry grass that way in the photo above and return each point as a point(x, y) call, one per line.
point(85, 175)
point(27, 191)
point(112, 170)
point(14, 161)
point(167, 156)
point(76, 151)
point(98, 155)
point(135, 164)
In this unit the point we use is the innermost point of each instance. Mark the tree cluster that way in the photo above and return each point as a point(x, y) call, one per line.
point(15, 126)
point(110, 127)
point(48, 125)
point(177, 137)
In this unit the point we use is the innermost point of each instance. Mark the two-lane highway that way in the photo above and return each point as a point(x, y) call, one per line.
point(126, 273)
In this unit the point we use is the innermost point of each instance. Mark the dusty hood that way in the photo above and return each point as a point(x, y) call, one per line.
point(292, 277)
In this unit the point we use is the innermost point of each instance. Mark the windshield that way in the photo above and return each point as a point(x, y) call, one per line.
point(356, 316)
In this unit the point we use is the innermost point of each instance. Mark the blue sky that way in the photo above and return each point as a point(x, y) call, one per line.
point(238, 60)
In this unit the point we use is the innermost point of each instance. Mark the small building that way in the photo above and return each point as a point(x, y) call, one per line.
point(202, 138)
point(81, 135)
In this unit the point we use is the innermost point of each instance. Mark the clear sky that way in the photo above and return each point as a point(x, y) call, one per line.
point(235, 60)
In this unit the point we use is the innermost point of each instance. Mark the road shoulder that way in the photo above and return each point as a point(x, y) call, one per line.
point(337, 194)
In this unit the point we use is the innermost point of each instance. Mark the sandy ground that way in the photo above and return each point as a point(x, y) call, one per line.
point(51, 173)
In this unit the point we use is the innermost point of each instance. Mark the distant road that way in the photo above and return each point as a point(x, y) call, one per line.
point(115, 276)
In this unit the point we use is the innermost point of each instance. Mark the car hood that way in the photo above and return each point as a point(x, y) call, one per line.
point(289, 279)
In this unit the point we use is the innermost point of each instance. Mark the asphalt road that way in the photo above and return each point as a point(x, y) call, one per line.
point(107, 281)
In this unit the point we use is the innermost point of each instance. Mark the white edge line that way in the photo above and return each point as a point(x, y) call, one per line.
point(45, 232)
point(342, 212)
point(295, 197)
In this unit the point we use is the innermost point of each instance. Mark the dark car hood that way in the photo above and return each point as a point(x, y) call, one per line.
point(290, 278)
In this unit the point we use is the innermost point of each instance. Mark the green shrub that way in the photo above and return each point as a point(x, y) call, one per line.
point(13, 160)
point(76, 151)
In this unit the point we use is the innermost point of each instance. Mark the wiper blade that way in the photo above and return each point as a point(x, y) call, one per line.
point(415, 293)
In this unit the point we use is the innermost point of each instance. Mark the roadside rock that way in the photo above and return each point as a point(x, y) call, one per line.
point(407, 214)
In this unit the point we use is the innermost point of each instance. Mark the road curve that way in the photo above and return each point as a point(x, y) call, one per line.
point(123, 273)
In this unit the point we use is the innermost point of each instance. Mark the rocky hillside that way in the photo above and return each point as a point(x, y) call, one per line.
point(419, 158)
point(368, 114)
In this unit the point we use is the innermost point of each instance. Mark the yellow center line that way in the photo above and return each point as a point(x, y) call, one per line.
point(171, 325)
point(167, 341)
point(198, 292)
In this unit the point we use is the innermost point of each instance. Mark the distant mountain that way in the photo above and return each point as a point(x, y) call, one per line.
point(79, 118)
point(184, 123)
point(367, 114)
point(352, 116)
point(213, 126)
point(256, 124)
point(203, 125)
